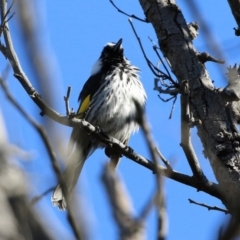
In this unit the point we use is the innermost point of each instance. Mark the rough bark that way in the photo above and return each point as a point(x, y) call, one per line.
point(235, 8)
point(218, 128)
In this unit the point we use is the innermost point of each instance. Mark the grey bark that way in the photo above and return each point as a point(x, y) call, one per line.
point(235, 8)
point(218, 129)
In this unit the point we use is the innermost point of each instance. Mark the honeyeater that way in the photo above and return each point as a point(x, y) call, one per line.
point(110, 99)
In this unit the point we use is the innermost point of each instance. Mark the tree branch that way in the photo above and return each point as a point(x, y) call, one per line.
point(160, 199)
point(132, 16)
point(52, 157)
point(12, 56)
point(39, 197)
point(129, 227)
point(209, 207)
point(186, 138)
point(235, 7)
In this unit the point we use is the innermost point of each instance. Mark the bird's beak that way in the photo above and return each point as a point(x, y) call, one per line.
point(118, 45)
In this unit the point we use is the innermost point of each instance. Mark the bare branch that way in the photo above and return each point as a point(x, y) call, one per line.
point(132, 16)
point(39, 197)
point(209, 207)
point(185, 135)
point(235, 7)
point(4, 19)
point(129, 227)
point(147, 208)
point(156, 48)
point(205, 57)
point(51, 154)
point(166, 100)
point(160, 200)
point(66, 99)
point(165, 161)
point(157, 72)
point(173, 91)
point(173, 106)
point(127, 151)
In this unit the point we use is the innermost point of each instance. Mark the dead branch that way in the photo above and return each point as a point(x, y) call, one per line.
point(205, 57)
point(235, 7)
point(129, 227)
point(186, 143)
point(209, 207)
point(128, 15)
point(160, 200)
point(51, 154)
point(39, 197)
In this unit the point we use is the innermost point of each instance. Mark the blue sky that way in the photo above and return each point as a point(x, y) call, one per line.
point(72, 35)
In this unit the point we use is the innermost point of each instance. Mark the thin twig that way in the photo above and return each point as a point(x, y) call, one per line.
point(147, 208)
point(39, 197)
point(4, 19)
point(235, 8)
point(173, 91)
point(165, 161)
point(169, 90)
point(173, 106)
point(209, 207)
point(154, 69)
point(165, 67)
point(66, 99)
point(155, 47)
point(160, 201)
point(132, 16)
point(166, 100)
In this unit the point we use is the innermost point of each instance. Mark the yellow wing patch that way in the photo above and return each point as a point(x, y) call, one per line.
point(84, 106)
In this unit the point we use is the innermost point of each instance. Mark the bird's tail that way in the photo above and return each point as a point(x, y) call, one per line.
point(73, 170)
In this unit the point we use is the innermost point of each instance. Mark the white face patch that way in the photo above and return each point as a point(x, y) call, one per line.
point(110, 44)
point(96, 67)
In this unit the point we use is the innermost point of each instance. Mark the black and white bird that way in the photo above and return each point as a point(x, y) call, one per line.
point(108, 100)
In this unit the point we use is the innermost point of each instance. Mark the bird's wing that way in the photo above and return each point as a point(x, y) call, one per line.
point(89, 89)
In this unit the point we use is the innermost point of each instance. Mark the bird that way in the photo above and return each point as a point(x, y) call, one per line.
point(110, 99)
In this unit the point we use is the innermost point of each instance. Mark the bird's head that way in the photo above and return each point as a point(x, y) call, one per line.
point(112, 52)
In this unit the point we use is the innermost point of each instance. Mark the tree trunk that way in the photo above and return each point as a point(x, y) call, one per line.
point(218, 130)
